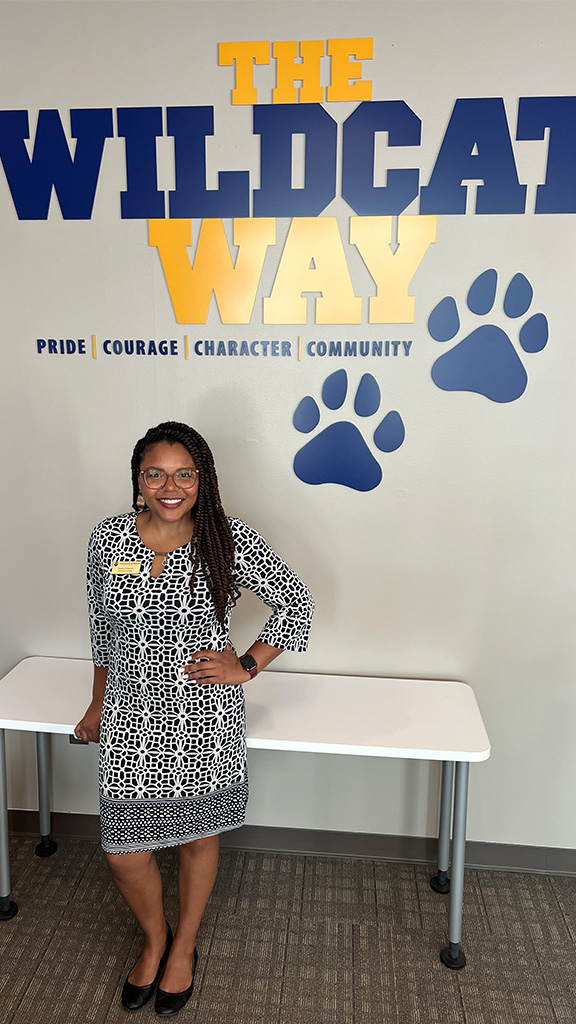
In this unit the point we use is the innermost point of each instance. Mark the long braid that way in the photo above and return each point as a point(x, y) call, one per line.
point(213, 547)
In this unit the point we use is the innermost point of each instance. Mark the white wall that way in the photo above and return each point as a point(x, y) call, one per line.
point(460, 564)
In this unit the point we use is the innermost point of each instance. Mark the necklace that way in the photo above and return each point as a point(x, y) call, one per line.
point(164, 555)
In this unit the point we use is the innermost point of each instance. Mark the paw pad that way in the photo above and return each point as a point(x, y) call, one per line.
point(339, 454)
point(486, 361)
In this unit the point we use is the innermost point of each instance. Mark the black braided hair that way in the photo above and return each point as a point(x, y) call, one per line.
point(213, 547)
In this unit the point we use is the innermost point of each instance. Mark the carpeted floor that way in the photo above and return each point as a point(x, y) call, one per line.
point(294, 940)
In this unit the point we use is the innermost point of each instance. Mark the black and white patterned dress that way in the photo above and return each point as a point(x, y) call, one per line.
point(173, 752)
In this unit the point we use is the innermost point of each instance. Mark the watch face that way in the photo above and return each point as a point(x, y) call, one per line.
point(248, 663)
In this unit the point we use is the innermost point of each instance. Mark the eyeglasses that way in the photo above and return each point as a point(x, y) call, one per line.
point(155, 478)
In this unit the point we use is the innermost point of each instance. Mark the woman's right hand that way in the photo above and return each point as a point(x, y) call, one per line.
point(88, 729)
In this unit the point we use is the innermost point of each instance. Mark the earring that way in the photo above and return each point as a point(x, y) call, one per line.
point(140, 503)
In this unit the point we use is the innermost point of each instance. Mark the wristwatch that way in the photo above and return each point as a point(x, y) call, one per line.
point(249, 665)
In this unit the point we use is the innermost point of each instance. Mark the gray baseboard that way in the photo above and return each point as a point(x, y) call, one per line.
point(69, 826)
point(319, 843)
point(405, 849)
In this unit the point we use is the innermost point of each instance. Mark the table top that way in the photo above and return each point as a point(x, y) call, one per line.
point(424, 719)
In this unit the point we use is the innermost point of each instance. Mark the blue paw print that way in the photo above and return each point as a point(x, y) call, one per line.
point(339, 454)
point(485, 361)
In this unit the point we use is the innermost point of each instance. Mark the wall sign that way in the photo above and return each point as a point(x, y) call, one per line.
point(215, 243)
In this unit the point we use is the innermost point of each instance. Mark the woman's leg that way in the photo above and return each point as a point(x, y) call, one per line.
point(137, 877)
point(197, 867)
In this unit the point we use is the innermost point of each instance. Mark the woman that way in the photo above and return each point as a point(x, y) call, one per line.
point(168, 705)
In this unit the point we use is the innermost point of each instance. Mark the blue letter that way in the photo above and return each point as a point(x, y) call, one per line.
point(558, 113)
point(141, 126)
point(477, 123)
point(403, 127)
point(74, 179)
point(191, 198)
point(276, 125)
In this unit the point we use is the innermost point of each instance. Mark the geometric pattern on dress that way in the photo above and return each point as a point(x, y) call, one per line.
point(167, 744)
point(153, 824)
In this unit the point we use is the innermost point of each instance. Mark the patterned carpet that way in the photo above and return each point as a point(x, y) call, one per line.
point(294, 940)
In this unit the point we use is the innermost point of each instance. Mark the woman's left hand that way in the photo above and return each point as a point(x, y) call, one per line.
point(216, 667)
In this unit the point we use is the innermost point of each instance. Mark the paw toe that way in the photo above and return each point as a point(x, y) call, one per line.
point(367, 400)
point(518, 296)
point(482, 293)
point(390, 434)
point(444, 322)
point(334, 389)
point(306, 416)
point(534, 333)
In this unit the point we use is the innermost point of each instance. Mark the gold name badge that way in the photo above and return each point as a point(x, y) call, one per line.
point(126, 568)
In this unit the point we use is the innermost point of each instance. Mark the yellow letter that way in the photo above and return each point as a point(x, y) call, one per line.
point(343, 69)
point(288, 72)
point(243, 54)
point(313, 261)
point(191, 287)
point(392, 273)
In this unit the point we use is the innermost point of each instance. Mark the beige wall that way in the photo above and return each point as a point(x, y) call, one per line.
point(460, 564)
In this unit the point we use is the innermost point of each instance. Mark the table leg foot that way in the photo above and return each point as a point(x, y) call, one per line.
point(8, 909)
point(46, 847)
point(453, 957)
point(440, 883)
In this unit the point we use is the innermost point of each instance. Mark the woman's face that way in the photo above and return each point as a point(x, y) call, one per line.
point(171, 502)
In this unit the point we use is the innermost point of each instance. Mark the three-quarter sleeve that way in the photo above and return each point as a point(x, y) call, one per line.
point(99, 623)
point(259, 569)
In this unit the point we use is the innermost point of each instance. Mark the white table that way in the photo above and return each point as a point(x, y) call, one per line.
point(423, 719)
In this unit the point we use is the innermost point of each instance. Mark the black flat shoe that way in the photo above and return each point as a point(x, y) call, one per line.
point(168, 1004)
point(134, 997)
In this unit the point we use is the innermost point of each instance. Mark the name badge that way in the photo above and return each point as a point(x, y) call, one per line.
point(126, 568)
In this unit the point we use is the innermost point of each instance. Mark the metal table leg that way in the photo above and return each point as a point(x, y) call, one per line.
point(46, 847)
point(440, 882)
point(452, 956)
point(7, 908)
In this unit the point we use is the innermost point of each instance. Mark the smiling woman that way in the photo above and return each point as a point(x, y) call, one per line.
point(168, 705)
point(169, 494)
